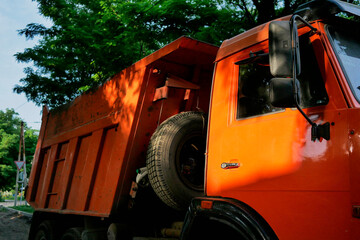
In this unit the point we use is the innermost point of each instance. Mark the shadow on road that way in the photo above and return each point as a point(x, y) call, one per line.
point(13, 226)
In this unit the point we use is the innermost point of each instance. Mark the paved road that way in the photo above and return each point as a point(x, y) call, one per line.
point(13, 226)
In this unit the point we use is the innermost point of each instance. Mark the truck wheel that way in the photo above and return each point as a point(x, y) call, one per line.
point(72, 234)
point(176, 159)
point(45, 231)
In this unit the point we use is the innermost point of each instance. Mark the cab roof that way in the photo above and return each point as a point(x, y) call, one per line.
point(245, 40)
point(310, 11)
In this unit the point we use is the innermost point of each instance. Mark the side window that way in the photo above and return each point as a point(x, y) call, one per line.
point(253, 89)
point(254, 81)
point(312, 87)
point(347, 48)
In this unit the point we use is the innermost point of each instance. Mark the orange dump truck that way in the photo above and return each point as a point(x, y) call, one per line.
point(258, 139)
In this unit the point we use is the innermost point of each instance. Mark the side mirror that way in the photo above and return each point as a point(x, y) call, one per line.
point(284, 58)
point(281, 55)
point(282, 92)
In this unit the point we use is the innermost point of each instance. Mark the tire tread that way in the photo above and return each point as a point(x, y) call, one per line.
point(154, 161)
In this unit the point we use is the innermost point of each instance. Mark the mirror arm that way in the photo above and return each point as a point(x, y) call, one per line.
point(317, 131)
point(294, 17)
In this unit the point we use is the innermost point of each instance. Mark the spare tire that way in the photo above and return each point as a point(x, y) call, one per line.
point(176, 159)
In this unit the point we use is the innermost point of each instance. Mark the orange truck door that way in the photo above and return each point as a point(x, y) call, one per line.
point(264, 156)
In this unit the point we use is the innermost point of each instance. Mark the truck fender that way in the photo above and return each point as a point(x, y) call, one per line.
point(229, 218)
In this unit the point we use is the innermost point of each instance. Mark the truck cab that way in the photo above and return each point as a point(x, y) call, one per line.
point(264, 168)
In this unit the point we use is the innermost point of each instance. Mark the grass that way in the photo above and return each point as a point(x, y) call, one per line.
point(12, 198)
point(3, 209)
point(24, 208)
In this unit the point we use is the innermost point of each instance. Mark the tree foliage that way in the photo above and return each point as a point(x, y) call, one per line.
point(91, 40)
point(9, 147)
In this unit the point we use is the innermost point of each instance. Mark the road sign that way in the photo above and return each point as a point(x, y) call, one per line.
point(19, 164)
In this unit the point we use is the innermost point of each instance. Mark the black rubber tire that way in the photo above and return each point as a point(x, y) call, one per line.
point(45, 231)
point(72, 234)
point(176, 159)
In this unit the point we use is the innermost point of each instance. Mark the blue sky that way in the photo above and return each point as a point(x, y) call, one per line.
point(15, 15)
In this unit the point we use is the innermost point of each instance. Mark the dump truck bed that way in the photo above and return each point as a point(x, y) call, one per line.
point(88, 150)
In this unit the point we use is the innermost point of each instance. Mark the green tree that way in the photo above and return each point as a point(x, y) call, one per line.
point(91, 40)
point(9, 147)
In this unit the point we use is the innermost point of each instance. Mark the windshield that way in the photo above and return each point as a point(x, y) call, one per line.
point(346, 45)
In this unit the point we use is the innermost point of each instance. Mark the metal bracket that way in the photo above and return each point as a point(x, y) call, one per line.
point(175, 82)
point(320, 131)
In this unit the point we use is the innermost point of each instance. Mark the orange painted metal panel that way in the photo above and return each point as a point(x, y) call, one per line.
point(84, 171)
point(38, 184)
point(54, 193)
point(354, 153)
point(43, 201)
point(78, 174)
point(68, 172)
point(107, 131)
point(102, 197)
point(300, 187)
point(290, 209)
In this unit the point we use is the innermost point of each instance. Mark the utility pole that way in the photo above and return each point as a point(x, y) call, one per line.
point(20, 164)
